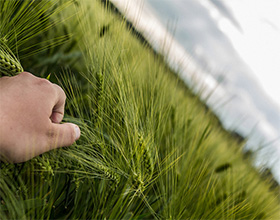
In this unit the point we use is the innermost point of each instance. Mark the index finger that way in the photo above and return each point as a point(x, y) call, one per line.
point(58, 109)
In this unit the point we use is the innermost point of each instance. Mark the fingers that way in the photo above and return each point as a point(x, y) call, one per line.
point(62, 135)
point(49, 91)
point(59, 135)
point(56, 117)
point(58, 109)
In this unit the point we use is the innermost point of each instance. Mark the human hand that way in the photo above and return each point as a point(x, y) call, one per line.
point(31, 110)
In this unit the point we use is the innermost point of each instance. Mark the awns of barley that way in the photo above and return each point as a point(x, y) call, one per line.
point(99, 95)
point(100, 82)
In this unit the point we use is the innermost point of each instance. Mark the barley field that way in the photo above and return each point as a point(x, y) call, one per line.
point(149, 149)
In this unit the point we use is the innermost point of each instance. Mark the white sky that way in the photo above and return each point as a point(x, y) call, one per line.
point(259, 43)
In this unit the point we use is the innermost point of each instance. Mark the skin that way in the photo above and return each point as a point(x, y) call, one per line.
point(31, 111)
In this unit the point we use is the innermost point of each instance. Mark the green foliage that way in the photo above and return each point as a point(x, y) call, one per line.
point(23, 29)
point(147, 149)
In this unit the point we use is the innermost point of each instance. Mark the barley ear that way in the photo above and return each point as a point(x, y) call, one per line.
point(9, 64)
point(111, 175)
point(147, 158)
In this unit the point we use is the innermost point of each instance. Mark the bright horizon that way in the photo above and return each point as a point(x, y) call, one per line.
point(258, 44)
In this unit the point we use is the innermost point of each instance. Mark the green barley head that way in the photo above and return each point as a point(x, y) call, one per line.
point(9, 64)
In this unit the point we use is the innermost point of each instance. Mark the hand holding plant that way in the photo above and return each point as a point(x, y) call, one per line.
point(31, 110)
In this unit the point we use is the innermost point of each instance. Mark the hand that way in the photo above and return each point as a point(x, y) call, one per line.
point(31, 110)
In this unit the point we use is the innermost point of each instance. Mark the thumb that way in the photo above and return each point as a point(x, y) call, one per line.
point(64, 134)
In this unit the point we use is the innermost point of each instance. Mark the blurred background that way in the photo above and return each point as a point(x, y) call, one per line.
point(228, 52)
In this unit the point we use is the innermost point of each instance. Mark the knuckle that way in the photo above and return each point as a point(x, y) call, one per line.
point(60, 91)
point(63, 94)
point(51, 136)
point(43, 82)
point(24, 74)
point(27, 74)
point(45, 86)
point(51, 133)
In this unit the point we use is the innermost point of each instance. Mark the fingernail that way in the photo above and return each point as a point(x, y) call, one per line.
point(78, 132)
